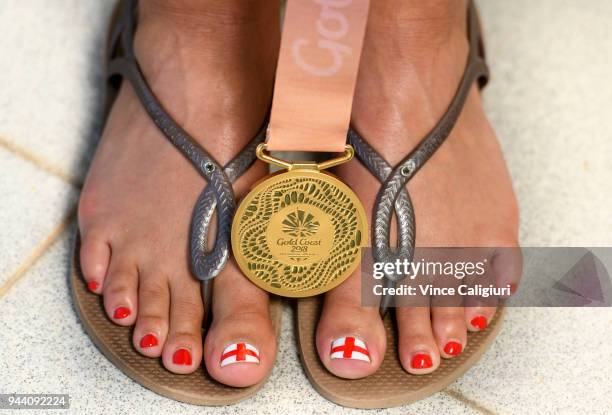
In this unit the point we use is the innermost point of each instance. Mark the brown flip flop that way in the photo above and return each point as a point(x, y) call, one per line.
point(391, 385)
point(114, 341)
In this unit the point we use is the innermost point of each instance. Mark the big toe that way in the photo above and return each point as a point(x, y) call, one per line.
point(350, 338)
point(240, 347)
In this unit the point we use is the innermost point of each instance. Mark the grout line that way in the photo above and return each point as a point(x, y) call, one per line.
point(453, 393)
point(38, 162)
point(37, 253)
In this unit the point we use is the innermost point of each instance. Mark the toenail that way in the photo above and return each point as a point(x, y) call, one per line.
point(93, 285)
point(121, 312)
point(513, 288)
point(239, 353)
point(182, 357)
point(421, 361)
point(479, 322)
point(148, 340)
point(350, 348)
point(453, 348)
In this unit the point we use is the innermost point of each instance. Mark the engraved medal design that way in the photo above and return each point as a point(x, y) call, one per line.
point(299, 233)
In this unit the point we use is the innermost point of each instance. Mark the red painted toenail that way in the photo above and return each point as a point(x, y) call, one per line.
point(513, 288)
point(453, 348)
point(182, 357)
point(92, 285)
point(148, 340)
point(122, 312)
point(479, 322)
point(421, 361)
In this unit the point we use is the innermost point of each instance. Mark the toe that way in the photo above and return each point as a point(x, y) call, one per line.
point(478, 318)
point(94, 257)
point(449, 330)
point(182, 351)
point(240, 347)
point(350, 338)
point(418, 350)
point(151, 329)
point(508, 267)
point(120, 292)
point(479, 310)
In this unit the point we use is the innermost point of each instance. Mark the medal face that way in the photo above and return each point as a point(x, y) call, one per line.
point(299, 233)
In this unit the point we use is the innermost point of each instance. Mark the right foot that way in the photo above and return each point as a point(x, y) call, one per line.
point(211, 64)
point(413, 59)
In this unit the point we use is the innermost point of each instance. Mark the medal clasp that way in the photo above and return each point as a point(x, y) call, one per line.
point(264, 156)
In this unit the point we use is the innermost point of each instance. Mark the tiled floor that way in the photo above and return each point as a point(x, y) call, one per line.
point(549, 100)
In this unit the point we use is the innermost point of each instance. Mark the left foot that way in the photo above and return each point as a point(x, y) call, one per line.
point(413, 58)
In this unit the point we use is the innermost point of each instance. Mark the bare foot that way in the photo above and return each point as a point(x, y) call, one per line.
point(211, 64)
point(412, 62)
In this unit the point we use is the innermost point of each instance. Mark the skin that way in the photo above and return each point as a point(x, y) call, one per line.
point(211, 64)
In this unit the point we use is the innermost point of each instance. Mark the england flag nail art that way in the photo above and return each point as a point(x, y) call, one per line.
point(239, 353)
point(350, 348)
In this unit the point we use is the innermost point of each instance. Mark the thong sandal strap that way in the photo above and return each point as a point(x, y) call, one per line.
point(393, 196)
point(403, 207)
point(205, 264)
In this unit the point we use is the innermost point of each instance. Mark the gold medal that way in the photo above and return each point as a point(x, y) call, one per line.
point(300, 232)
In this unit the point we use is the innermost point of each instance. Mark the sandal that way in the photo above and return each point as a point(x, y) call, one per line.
point(115, 341)
point(391, 385)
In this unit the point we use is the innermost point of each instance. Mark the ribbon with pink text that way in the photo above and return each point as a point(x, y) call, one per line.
point(316, 74)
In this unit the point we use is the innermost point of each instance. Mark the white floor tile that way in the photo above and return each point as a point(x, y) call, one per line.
point(546, 360)
point(51, 70)
point(549, 101)
point(32, 205)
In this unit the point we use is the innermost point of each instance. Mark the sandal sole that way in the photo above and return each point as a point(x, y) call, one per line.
point(391, 385)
